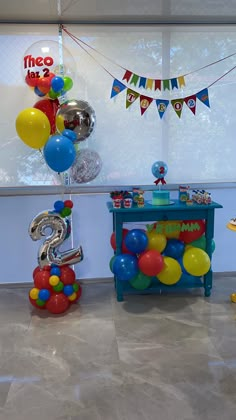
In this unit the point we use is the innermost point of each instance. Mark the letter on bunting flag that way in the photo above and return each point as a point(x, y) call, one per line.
point(131, 97)
point(117, 87)
point(191, 103)
point(178, 106)
point(204, 97)
point(162, 105)
point(145, 101)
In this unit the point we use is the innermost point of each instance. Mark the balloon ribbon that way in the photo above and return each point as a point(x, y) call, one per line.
point(162, 180)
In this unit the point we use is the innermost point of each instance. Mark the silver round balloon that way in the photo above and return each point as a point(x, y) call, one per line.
point(77, 116)
point(86, 167)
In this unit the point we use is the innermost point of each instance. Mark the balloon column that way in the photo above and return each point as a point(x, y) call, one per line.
point(54, 123)
point(55, 285)
point(166, 251)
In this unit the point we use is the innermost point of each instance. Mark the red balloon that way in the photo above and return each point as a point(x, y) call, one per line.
point(36, 270)
point(68, 203)
point(33, 302)
point(30, 81)
point(49, 107)
point(78, 295)
point(67, 275)
point(44, 84)
point(41, 280)
point(198, 228)
point(124, 250)
point(151, 262)
point(57, 303)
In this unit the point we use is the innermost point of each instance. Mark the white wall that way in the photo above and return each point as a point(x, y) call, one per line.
point(92, 227)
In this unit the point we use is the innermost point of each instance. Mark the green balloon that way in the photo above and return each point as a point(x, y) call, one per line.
point(59, 287)
point(68, 83)
point(75, 287)
point(111, 263)
point(140, 281)
point(52, 94)
point(201, 243)
point(40, 302)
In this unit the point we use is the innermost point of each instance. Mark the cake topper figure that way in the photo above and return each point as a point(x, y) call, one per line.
point(159, 170)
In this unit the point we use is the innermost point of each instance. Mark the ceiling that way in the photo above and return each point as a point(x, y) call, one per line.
point(118, 11)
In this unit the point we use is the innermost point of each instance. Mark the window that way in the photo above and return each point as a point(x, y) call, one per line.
point(197, 148)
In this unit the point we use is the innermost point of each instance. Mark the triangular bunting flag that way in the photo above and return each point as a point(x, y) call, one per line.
point(145, 101)
point(178, 106)
point(204, 97)
point(174, 83)
point(134, 79)
point(157, 84)
point(181, 81)
point(149, 83)
point(142, 82)
point(117, 88)
point(131, 97)
point(191, 103)
point(127, 75)
point(162, 105)
point(166, 84)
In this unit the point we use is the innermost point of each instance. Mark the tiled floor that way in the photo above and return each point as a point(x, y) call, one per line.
point(164, 357)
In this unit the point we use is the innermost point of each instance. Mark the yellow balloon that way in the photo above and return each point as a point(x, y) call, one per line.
point(33, 127)
point(60, 123)
point(72, 297)
point(54, 280)
point(171, 272)
point(156, 241)
point(34, 293)
point(196, 261)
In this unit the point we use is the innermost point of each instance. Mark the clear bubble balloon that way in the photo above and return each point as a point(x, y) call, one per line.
point(77, 116)
point(44, 60)
point(86, 167)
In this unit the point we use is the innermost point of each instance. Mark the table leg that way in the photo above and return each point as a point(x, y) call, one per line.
point(118, 234)
point(209, 238)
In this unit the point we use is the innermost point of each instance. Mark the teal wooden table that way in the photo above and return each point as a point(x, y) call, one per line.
point(150, 213)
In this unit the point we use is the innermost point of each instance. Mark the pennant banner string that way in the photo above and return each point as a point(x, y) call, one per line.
point(80, 41)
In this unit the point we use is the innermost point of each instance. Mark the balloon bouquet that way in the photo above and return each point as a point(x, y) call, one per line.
point(55, 286)
point(162, 252)
point(54, 123)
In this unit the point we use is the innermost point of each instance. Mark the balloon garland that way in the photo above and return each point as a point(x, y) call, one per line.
point(55, 285)
point(163, 252)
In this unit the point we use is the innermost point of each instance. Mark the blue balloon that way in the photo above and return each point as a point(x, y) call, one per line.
point(57, 83)
point(38, 92)
point(136, 241)
point(59, 205)
point(55, 271)
point(68, 290)
point(70, 134)
point(174, 248)
point(59, 153)
point(44, 294)
point(159, 169)
point(125, 267)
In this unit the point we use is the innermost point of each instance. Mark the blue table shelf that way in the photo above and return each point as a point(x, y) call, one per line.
point(150, 213)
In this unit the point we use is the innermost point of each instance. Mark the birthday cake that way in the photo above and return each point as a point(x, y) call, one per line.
point(160, 198)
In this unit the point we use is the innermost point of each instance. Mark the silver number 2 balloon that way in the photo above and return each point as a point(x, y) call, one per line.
point(48, 253)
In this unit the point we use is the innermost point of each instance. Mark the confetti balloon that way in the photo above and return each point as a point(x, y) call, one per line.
point(77, 116)
point(86, 167)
